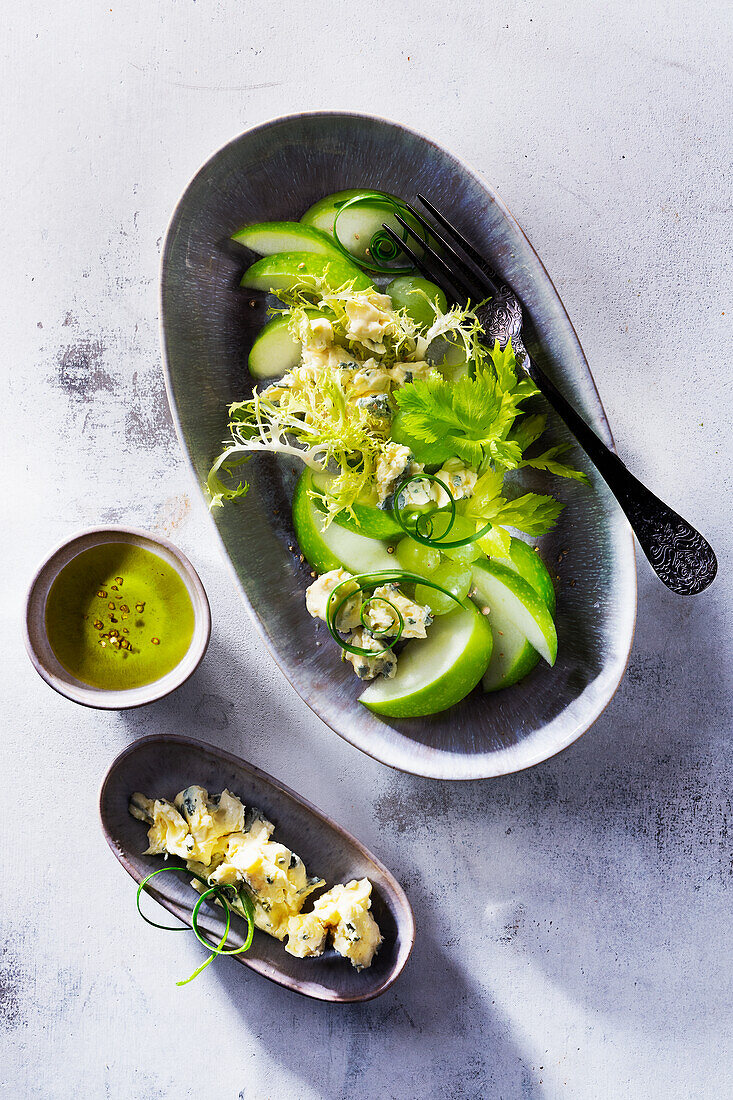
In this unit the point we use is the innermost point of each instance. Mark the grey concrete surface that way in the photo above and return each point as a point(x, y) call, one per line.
point(574, 934)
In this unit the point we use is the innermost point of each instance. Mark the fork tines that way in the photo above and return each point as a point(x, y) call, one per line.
point(429, 263)
point(482, 267)
point(465, 279)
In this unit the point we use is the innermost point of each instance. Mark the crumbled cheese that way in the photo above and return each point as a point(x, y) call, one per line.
point(345, 911)
point(410, 371)
point(275, 877)
point(384, 663)
point(370, 318)
point(318, 593)
point(317, 358)
point(416, 494)
point(208, 820)
point(315, 332)
point(393, 460)
point(380, 618)
point(279, 883)
point(377, 405)
point(371, 378)
point(168, 830)
point(321, 332)
point(306, 935)
point(459, 478)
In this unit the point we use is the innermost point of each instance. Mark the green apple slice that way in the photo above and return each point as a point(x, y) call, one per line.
point(435, 672)
point(336, 546)
point(357, 224)
point(375, 523)
point(420, 298)
point(526, 561)
point(285, 270)
point(512, 657)
point(276, 350)
point(271, 237)
point(511, 597)
point(370, 521)
point(323, 213)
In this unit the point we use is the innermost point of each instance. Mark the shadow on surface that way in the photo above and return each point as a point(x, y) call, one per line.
point(610, 861)
point(397, 1044)
point(592, 883)
point(433, 1034)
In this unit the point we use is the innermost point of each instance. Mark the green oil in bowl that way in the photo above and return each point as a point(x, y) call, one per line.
point(119, 617)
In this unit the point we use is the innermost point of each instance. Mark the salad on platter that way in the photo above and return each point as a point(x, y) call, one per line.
point(411, 432)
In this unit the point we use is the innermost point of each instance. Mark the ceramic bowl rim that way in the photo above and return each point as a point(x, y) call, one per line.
point(127, 698)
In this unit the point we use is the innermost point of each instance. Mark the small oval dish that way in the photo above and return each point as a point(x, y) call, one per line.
point(179, 572)
point(162, 766)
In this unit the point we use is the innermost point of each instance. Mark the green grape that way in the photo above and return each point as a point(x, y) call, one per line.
point(462, 528)
point(449, 358)
point(415, 558)
point(402, 291)
point(454, 355)
point(464, 554)
point(451, 575)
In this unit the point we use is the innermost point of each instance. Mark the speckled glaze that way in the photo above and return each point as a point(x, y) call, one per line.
point(275, 172)
point(163, 766)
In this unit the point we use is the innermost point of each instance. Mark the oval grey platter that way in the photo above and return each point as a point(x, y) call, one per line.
point(276, 171)
point(161, 766)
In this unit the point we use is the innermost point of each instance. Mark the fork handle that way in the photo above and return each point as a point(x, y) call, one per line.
point(677, 552)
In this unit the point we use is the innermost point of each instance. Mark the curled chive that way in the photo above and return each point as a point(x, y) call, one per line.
point(365, 607)
point(365, 582)
point(218, 893)
point(215, 951)
point(142, 887)
point(332, 614)
point(383, 250)
point(424, 535)
point(197, 971)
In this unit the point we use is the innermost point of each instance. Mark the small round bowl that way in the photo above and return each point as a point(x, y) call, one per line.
point(45, 660)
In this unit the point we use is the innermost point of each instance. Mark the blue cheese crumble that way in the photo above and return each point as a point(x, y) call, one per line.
point(225, 845)
point(382, 618)
point(393, 461)
point(383, 663)
point(367, 619)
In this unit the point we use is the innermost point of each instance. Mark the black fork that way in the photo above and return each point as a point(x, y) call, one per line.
point(678, 554)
